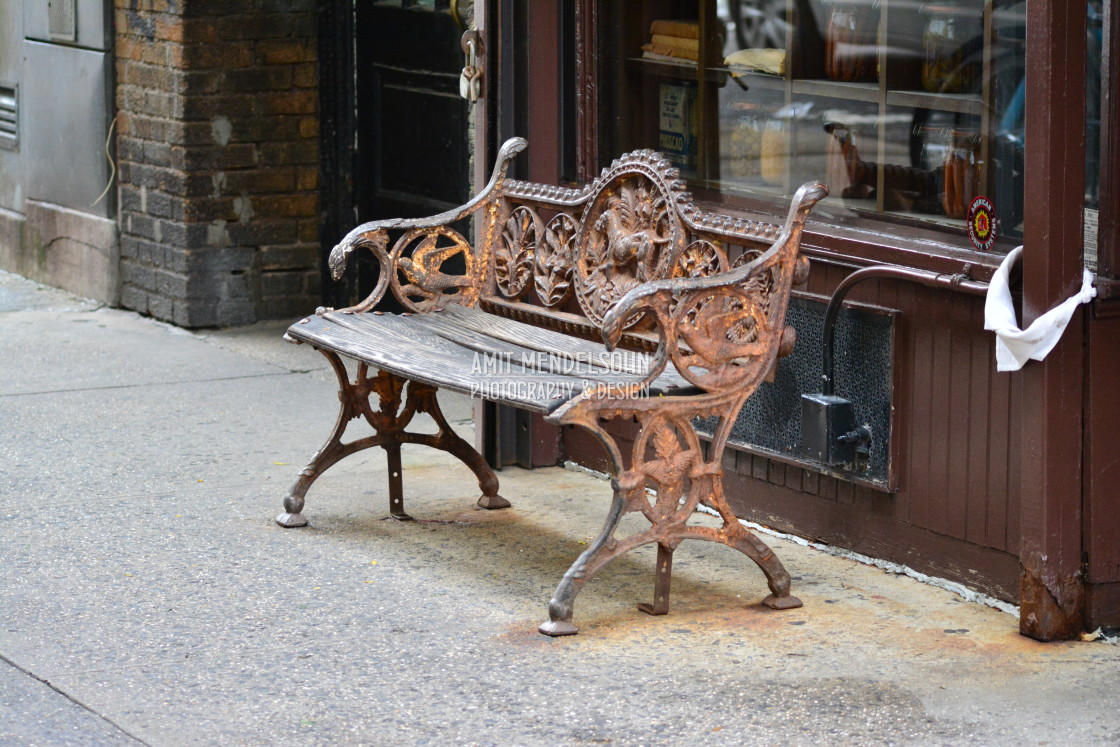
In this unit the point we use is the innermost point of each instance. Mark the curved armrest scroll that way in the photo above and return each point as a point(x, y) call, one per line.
point(374, 235)
point(687, 308)
point(657, 294)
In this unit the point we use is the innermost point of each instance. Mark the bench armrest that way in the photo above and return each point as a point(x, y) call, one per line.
point(374, 235)
point(724, 330)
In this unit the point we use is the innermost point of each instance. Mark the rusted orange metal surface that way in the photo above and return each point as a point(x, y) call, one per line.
point(647, 269)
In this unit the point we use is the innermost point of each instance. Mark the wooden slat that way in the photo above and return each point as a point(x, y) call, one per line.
point(958, 446)
point(979, 432)
point(543, 339)
point(431, 360)
point(558, 344)
point(565, 322)
point(479, 354)
point(553, 362)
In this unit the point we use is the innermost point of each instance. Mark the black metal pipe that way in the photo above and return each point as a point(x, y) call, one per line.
point(956, 282)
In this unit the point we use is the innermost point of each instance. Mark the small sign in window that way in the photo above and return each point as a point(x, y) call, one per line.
point(1091, 230)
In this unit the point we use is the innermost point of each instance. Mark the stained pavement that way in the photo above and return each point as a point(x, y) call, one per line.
point(146, 596)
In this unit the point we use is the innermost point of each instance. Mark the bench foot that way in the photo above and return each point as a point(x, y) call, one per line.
point(557, 628)
point(290, 520)
point(491, 502)
point(661, 586)
point(787, 602)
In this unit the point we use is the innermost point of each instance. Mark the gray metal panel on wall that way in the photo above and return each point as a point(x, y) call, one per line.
point(11, 74)
point(65, 106)
point(91, 16)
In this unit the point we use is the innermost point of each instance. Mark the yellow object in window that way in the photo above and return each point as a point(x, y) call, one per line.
point(771, 61)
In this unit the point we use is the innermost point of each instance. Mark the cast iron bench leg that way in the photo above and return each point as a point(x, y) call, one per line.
point(388, 422)
point(330, 452)
point(667, 452)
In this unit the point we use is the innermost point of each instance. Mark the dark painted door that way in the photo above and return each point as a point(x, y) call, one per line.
point(393, 129)
point(413, 148)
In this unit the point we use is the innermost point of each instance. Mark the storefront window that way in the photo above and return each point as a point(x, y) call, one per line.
point(908, 110)
point(1095, 75)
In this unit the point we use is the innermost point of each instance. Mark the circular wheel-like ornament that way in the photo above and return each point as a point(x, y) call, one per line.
point(425, 285)
point(761, 285)
point(700, 259)
point(725, 335)
point(628, 235)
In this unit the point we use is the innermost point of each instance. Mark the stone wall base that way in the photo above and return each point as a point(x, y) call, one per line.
point(62, 247)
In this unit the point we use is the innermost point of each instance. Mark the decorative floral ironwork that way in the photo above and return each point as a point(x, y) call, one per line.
point(761, 285)
point(700, 259)
point(628, 236)
point(726, 337)
point(552, 268)
point(513, 255)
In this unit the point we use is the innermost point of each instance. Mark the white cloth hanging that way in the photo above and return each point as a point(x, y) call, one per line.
point(1013, 345)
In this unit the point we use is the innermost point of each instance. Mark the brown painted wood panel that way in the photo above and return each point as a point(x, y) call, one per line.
point(996, 486)
point(860, 527)
point(980, 354)
point(1051, 503)
point(958, 501)
point(543, 91)
point(1102, 606)
point(1102, 453)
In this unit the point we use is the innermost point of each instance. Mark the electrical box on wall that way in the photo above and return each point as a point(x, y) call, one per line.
point(829, 433)
point(65, 103)
point(86, 23)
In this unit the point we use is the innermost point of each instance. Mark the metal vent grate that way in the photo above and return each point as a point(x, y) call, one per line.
point(9, 117)
point(63, 20)
point(771, 418)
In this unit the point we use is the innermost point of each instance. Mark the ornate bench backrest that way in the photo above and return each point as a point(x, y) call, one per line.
point(634, 223)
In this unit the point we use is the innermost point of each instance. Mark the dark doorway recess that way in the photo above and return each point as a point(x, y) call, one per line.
point(395, 134)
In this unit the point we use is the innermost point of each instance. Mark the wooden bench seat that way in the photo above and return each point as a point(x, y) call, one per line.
point(472, 352)
point(618, 301)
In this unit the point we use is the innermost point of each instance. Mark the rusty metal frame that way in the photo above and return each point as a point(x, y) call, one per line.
point(642, 262)
point(389, 422)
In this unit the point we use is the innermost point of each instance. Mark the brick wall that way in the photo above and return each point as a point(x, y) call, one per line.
point(218, 155)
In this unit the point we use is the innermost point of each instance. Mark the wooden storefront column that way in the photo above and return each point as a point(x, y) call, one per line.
point(1052, 585)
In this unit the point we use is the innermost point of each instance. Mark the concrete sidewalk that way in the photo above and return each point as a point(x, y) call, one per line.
point(146, 596)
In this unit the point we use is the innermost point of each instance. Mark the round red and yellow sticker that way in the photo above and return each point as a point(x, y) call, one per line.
point(982, 224)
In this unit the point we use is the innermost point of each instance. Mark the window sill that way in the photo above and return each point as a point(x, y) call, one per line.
point(861, 241)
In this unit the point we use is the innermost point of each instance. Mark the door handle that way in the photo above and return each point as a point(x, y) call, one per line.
point(470, 81)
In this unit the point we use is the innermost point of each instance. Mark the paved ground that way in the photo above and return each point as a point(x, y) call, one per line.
point(146, 596)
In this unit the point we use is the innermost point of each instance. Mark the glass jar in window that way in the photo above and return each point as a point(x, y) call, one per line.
point(744, 150)
point(851, 51)
point(953, 44)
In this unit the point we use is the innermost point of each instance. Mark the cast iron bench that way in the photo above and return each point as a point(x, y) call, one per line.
point(651, 278)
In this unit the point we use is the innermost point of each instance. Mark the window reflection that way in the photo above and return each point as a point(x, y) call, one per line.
point(905, 108)
point(909, 110)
